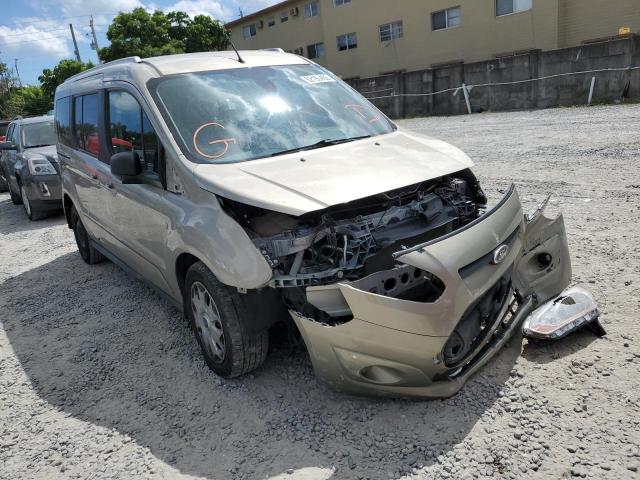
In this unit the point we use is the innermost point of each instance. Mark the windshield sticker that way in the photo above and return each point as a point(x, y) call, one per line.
point(208, 148)
point(313, 79)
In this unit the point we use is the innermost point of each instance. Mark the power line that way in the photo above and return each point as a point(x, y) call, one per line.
point(55, 20)
point(34, 40)
point(37, 31)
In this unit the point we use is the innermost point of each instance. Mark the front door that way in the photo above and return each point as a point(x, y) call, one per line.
point(139, 214)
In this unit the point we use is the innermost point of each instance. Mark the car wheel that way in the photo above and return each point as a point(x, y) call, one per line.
point(219, 322)
point(15, 198)
point(31, 212)
point(88, 253)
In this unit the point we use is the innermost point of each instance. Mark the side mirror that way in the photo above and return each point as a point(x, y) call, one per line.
point(126, 164)
point(7, 146)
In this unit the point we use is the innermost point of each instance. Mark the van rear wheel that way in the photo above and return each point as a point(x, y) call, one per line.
point(88, 253)
point(219, 320)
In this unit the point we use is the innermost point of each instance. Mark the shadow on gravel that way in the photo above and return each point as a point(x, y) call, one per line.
point(545, 352)
point(107, 350)
point(13, 218)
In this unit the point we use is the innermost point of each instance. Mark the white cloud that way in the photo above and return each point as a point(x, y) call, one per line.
point(47, 38)
point(212, 8)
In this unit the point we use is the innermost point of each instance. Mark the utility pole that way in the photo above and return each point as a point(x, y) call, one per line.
point(15, 63)
point(94, 44)
point(75, 44)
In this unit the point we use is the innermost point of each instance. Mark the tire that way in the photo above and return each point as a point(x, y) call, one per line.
point(15, 198)
point(88, 253)
point(32, 213)
point(220, 325)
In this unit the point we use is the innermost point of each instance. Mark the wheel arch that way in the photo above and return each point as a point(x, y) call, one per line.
point(67, 204)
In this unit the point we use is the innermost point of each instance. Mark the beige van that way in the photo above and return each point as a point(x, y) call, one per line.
point(257, 188)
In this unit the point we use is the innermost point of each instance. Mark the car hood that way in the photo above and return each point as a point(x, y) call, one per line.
point(49, 152)
point(316, 179)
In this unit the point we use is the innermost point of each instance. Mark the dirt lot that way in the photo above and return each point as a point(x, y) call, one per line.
point(100, 378)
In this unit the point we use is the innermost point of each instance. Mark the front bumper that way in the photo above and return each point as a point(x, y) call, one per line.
point(397, 347)
point(45, 192)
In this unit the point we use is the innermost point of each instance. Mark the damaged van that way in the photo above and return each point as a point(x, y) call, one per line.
point(253, 188)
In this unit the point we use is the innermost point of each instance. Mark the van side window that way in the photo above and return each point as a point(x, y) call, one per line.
point(131, 130)
point(63, 120)
point(86, 123)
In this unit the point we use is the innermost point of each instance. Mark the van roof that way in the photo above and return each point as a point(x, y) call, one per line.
point(192, 62)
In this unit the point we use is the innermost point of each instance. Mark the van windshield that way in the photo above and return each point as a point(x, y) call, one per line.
point(244, 114)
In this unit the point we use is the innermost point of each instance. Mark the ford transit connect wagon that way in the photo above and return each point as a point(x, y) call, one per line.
point(258, 188)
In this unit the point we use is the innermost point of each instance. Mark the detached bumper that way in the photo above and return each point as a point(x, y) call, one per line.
point(492, 274)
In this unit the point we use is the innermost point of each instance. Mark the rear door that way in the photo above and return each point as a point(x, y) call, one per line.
point(90, 174)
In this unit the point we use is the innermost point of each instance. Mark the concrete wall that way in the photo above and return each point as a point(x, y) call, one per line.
point(564, 90)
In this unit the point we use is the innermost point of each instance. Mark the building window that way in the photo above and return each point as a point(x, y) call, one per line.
point(391, 31)
point(312, 9)
point(505, 7)
point(348, 41)
point(316, 50)
point(249, 30)
point(299, 51)
point(284, 17)
point(339, 3)
point(445, 18)
point(271, 21)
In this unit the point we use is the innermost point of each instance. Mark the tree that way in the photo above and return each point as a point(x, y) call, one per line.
point(26, 101)
point(50, 79)
point(152, 34)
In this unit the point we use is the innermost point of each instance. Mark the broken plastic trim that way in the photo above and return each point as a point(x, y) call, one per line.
point(572, 310)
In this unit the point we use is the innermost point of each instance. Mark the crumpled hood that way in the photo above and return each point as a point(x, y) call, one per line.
point(333, 175)
point(49, 152)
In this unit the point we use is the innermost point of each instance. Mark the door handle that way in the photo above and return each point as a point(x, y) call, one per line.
point(110, 186)
point(94, 176)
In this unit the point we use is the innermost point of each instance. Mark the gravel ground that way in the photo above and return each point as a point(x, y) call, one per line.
point(100, 378)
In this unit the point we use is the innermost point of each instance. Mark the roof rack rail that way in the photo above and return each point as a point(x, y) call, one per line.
point(278, 50)
point(97, 68)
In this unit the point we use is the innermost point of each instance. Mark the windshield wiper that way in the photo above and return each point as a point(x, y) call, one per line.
point(320, 144)
point(38, 146)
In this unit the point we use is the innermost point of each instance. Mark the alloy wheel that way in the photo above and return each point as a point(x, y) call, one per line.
point(208, 322)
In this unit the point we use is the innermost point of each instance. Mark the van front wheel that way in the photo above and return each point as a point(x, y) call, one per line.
point(219, 320)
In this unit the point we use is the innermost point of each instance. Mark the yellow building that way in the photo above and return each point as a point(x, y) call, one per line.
point(361, 38)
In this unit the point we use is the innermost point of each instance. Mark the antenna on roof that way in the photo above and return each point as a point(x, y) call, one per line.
point(240, 59)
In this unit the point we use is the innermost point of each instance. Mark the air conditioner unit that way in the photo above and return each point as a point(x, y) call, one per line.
point(261, 24)
point(294, 12)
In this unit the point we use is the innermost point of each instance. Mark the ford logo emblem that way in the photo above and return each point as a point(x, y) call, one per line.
point(499, 254)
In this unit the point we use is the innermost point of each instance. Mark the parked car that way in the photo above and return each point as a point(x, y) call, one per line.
point(4, 124)
point(29, 166)
point(259, 188)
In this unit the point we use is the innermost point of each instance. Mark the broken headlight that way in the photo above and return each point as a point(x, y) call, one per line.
point(571, 310)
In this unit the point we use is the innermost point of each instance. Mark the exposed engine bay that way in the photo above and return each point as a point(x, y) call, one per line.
point(350, 241)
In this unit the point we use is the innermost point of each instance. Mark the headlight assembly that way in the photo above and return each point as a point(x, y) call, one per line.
point(40, 166)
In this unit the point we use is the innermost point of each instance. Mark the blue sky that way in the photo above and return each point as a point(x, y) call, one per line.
point(36, 32)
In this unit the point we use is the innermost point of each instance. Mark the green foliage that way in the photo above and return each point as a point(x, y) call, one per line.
point(50, 79)
point(26, 101)
point(152, 34)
